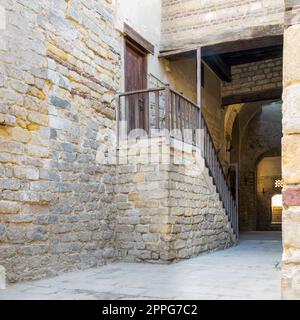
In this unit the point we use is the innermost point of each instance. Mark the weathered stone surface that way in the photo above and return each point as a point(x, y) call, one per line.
point(291, 196)
point(187, 23)
point(159, 218)
point(290, 163)
point(291, 59)
point(60, 103)
point(57, 203)
point(30, 173)
point(291, 109)
point(2, 278)
point(7, 120)
point(9, 207)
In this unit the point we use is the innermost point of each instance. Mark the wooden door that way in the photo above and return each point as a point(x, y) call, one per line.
point(136, 79)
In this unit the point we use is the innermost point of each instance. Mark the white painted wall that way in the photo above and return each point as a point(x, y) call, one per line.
point(144, 16)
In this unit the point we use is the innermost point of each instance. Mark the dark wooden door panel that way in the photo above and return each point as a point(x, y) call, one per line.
point(136, 79)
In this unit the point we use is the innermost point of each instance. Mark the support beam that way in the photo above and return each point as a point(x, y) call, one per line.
point(253, 55)
point(241, 45)
point(220, 67)
point(272, 94)
point(258, 42)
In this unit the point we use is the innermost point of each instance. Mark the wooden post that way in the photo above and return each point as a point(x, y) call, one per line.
point(199, 99)
point(167, 107)
point(118, 106)
point(199, 85)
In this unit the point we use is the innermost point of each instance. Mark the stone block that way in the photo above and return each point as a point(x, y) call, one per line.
point(2, 278)
point(7, 120)
point(9, 207)
point(30, 173)
point(291, 109)
point(290, 159)
point(60, 103)
point(2, 232)
point(291, 57)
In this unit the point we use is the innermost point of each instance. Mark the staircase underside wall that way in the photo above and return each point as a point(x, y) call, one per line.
point(167, 210)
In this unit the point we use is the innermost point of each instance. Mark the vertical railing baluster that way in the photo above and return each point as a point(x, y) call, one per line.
point(136, 111)
point(184, 118)
point(177, 111)
point(172, 111)
point(180, 113)
point(156, 111)
point(127, 116)
point(167, 107)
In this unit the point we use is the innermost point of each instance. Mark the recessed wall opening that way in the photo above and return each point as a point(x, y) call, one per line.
point(277, 206)
point(268, 196)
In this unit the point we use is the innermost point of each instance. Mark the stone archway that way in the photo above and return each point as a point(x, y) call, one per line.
point(256, 132)
point(268, 171)
point(232, 112)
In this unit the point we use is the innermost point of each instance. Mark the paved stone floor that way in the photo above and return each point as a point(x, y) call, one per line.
point(248, 271)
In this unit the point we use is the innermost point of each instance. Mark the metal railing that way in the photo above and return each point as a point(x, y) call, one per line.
point(164, 108)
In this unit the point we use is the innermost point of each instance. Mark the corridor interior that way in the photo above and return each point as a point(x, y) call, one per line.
point(241, 92)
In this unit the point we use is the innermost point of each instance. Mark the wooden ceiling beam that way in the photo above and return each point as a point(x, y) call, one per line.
point(219, 66)
point(242, 45)
point(271, 94)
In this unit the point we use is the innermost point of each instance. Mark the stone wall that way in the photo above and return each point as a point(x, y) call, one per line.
point(188, 23)
point(290, 157)
point(167, 208)
point(61, 206)
point(254, 77)
point(60, 66)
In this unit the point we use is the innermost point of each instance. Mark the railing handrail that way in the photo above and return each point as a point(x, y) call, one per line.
point(185, 98)
point(129, 93)
point(209, 151)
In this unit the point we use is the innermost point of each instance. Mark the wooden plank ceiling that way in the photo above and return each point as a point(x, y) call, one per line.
point(221, 57)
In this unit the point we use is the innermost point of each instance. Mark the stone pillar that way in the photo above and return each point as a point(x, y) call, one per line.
point(2, 277)
point(290, 157)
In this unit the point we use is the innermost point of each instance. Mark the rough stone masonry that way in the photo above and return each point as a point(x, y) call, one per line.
point(59, 208)
point(59, 72)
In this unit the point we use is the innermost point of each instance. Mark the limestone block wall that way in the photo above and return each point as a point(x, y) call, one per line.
point(167, 210)
point(186, 23)
point(254, 77)
point(60, 66)
point(142, 230)
point(196, 213)
point(290, 160)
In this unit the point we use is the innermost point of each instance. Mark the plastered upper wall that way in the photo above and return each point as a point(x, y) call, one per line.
point(188, 23)
point(144, 16)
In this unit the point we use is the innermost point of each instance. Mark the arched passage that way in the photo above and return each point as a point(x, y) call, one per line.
point(256, 134)
point(268, 193)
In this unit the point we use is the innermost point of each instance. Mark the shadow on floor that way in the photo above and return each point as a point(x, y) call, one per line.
point(261, 235)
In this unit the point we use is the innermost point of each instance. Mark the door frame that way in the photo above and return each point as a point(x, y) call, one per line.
point(141, 46)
